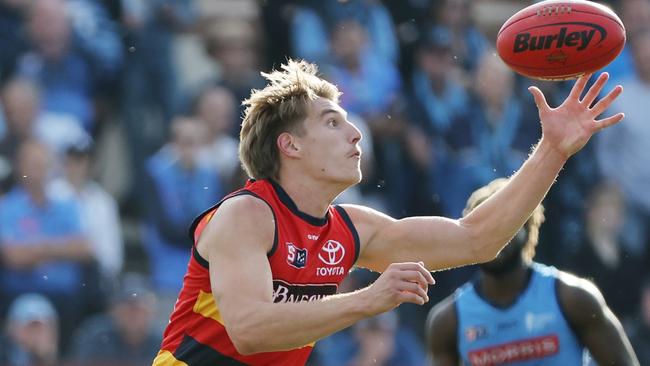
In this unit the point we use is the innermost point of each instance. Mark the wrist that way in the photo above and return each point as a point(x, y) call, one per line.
point(549, 152)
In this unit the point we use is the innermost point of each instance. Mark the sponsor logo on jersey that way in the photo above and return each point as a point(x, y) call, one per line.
point(296, 257)
point(289, 292)
point(517, 351)
point(332, 253)
point(475, 332)
point(312, 236)
point(536, 322)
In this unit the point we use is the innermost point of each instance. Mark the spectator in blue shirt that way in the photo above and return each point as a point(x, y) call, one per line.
point(41, 241)
point(179, 187)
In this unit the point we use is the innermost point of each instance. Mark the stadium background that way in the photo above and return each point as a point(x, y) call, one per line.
point(135, 107)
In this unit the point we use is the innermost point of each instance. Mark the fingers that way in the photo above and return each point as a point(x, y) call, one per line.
point(412, 266)
point(605, 102)
point(540, 100)
point(407, 288)
point(579, 86)
point(595, 89)
point(609, 121)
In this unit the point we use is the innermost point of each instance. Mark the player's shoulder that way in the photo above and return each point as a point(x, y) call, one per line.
point(580, 298)
point(245, 207)
point(443, 313)
point(442, 321)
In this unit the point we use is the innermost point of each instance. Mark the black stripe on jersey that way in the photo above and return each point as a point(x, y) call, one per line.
point(353, 230)
point(194, 353)
point(196, 221)
point(201, 260)
point(288, 202)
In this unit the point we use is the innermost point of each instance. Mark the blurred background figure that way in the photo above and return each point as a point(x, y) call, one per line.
point(605, 247)
point(149, 92)
point(489, 140)
point(125, 334)
point(68, 72)
point(99, 211)
point(31, 335)
point(639, 326)
point(216, 108)
point(622, 152)
point(24, 118)
point(180, 187)
point(236, 49)
point(42, 242)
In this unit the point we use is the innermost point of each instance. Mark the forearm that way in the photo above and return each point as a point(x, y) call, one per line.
point(497, 220)
point(268, 327)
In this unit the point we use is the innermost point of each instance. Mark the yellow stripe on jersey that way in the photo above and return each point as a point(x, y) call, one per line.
point(166, 358)
point(206, 306)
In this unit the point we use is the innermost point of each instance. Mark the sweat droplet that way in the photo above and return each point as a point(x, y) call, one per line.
point(131, 49)
point(45, 278)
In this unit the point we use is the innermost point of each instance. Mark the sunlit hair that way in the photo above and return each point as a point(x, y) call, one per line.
point(531, 226)
point(280, 107)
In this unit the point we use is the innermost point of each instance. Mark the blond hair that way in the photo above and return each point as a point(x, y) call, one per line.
point(531, 226)
point(280, 107)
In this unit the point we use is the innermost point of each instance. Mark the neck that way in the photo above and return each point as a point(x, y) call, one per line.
point(311, 196)
point(37, 194)
point(504, 288)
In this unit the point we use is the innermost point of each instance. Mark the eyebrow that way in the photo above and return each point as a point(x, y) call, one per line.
point(331, 110)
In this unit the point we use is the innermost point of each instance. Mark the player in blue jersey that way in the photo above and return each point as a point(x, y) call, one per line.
point(518, 312)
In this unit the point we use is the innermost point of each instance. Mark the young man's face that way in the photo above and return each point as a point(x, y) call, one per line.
point(330, 144)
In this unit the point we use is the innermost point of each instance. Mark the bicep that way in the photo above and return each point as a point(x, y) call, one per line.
point(595, 325)
point(438, 241)
point(236, 243)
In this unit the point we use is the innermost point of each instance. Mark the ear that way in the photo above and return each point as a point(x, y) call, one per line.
point(288, 145)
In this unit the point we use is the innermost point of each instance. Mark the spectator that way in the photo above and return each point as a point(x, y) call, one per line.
point(635, 14)
point(313, 23)
point(489, 140)
point(13, 40)
point(60, 65)
point(234, 46)
point(99, 211)
point(178, 190)
point(41, 240)
point(622, 151)
point(125, 334)
point(639, 328)
point(32, 333)
point(216, 108)
point(603, 256)
point(453, 19)
point(149, 92)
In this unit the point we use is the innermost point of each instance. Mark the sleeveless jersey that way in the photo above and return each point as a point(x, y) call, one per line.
point(532, 331)
point(309, 259)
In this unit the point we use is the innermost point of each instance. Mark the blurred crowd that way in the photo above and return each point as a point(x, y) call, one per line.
point(119, 123)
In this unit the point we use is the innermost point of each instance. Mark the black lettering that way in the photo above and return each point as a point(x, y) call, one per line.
point(586, 38)
point(521, 42)
point(549, 41)
point(572, 39)
point(560, 38)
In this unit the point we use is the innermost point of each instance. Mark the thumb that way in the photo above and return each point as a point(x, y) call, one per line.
point(540, 100)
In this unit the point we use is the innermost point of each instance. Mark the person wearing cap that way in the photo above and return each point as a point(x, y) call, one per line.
point(125, 334)
point(32, 333)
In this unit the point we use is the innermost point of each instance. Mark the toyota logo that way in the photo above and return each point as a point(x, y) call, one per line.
point(332, 253)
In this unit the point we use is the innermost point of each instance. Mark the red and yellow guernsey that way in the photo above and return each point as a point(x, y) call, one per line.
point(309, 259)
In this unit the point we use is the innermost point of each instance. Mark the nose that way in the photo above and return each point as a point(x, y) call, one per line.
point(356, 134)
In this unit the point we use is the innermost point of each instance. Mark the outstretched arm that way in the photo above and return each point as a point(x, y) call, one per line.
point(596, 326)
point(478, 237)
